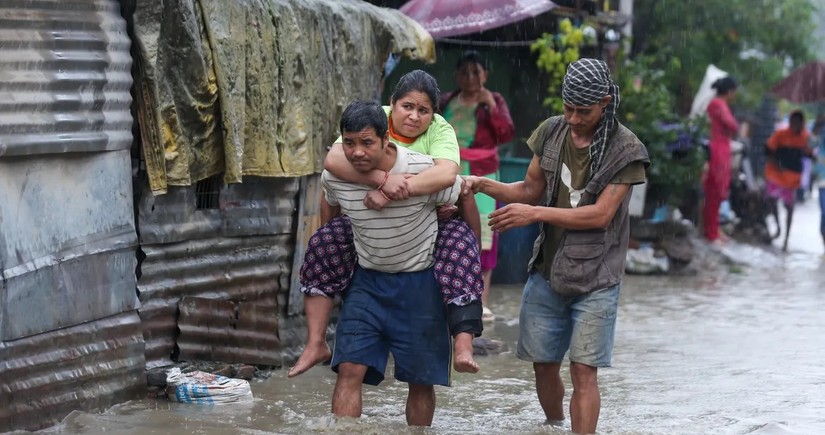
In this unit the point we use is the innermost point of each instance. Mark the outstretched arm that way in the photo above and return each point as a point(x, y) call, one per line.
point(529, 191)
point(598, 215)
point(431, 180)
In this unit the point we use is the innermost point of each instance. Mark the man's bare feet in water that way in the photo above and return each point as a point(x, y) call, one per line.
point(313, 354)
point(463, 361)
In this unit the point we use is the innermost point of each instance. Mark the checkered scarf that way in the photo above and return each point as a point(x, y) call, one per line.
point(587, 81)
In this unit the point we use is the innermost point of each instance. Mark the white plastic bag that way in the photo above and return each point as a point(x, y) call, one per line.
point(205, 388)
point(705, 93)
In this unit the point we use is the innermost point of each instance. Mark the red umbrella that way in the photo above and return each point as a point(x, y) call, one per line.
point(444, 18)
point(805, 84)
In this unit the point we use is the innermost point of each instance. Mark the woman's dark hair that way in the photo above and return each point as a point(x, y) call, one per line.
point(417, 81)
point(364, 114)
point(724, 85)
point(471, 56)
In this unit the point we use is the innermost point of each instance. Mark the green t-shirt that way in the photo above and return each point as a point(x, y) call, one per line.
point(575, 173)
point(438, 141)
point(463, 120)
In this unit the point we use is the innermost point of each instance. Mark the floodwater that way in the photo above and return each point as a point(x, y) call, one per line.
point(736, 353)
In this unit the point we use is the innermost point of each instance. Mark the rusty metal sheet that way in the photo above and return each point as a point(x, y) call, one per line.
point(241, 250)
point(65, 77)
point(86, 367)
point(229, 331)
point(220, 268)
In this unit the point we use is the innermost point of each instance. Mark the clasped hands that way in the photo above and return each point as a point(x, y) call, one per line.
point(395, 188)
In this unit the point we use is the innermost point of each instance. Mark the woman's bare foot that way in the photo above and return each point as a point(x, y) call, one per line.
point(313, 354)
point(463, 361)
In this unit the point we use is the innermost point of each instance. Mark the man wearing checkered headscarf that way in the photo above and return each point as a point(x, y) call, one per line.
point(588, 81)
point(578, 188)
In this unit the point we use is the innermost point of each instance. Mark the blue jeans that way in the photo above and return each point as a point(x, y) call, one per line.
point(550, 324)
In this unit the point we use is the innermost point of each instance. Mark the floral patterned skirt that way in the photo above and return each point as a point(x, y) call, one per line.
point(330, 261)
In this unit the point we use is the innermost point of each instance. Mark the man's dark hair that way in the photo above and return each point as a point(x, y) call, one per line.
point(471, 56)
point(724, 85)
point(797, 115)
point(363, 114)
point(417, 81)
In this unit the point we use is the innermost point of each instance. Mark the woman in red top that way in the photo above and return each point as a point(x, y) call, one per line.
point(482, 122)
point(723, 127)
point(783, 170)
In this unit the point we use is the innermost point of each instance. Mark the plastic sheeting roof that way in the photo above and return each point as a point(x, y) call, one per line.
point(256, 87)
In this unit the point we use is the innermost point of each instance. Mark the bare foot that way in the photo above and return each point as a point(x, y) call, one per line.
point(463, 361)
point(313, 354)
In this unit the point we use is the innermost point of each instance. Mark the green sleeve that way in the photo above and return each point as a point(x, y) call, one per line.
point(537, 139)
point(441, 141)
point(633, 173)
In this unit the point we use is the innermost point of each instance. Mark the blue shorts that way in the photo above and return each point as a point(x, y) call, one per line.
point(402, 313)
point(550, 324)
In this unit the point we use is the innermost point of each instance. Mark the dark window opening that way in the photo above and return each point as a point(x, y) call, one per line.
point(208, 192)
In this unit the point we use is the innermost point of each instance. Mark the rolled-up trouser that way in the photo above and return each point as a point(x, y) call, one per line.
point(330, 261)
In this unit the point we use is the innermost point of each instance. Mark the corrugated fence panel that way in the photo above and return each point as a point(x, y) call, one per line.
point(66, 223)
point(65, 77)
point(85, 367)
point(234, 268)
point(70, 337)
point(229, 331)
point(240, 251)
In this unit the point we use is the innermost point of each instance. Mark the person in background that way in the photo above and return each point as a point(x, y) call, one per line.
point(819, 167)
point(716, 180)
point(482, 122)
point(785, 151)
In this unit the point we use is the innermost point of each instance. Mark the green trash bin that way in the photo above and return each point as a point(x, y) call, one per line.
point(512, 169)
point(515, 246)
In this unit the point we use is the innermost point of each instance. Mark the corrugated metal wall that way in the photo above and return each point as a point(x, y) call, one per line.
point(69, 333)
point(239, 251)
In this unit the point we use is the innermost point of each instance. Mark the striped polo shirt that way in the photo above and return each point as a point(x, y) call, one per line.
point(401, 237)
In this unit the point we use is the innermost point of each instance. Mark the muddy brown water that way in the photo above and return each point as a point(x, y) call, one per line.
point(733, 353)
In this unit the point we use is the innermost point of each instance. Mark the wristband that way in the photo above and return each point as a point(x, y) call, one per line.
point(386, 176)
point(384, 195)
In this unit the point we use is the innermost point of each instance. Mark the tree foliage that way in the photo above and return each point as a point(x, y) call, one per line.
point(647, 109)
point(555, 53)
point(756, 41)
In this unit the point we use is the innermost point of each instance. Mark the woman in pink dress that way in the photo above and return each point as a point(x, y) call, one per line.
point(723, 127)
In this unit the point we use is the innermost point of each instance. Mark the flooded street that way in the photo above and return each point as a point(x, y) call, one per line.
point(738, 353)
